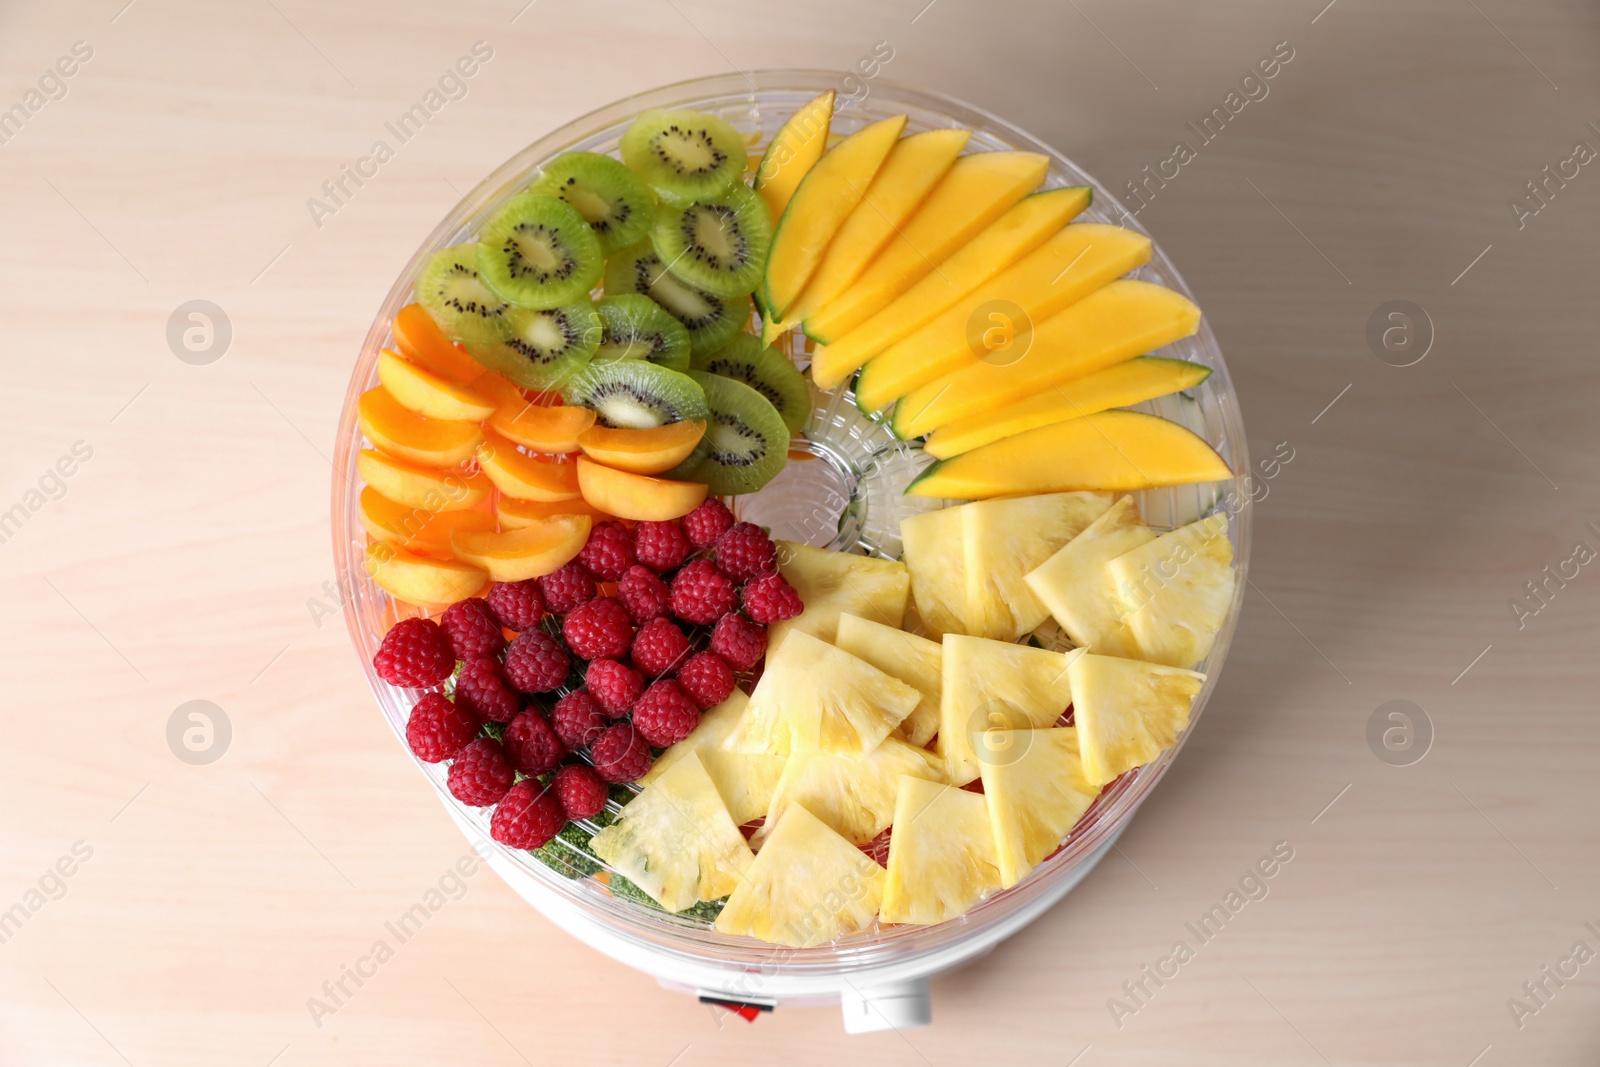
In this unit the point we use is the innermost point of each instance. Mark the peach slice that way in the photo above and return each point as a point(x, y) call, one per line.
point(543, 429)
point(417, 530)
point(418, 486)
point(401, 432)
point(428, 583)
point(636, 496)
point(514, 514)
point(643, 451)
point(422, 342)
point(528, 552)
point(426, 393)
point(521, 475)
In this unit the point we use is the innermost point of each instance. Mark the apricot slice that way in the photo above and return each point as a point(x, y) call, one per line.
point(422, 342)
point(401, 432)
point(521, 475)
point(417, 529)
point(426, 393)
point(543, 429)
point(529, 552)
point(428, 583)
point(643, 451)
point(419, 486)
point(514, 514)
point(636, 496)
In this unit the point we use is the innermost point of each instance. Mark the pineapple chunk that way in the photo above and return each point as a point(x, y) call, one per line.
point(1034, 783)
point(1128, 712)
point(676, 840)
point(808, 886)
point(996, 685)
point(914, 660)
point(1178, 589)
point(941, 853)
point(931, 547)
point(855, 797)
point(1077, 588)
point(745, 780)
point(1004, 539)
point(814, 697)
point(831, 583)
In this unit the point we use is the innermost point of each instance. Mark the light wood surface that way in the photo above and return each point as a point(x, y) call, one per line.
point(187, 555)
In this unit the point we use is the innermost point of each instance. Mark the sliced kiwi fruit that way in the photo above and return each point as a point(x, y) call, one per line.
point(538, 252)
point(454, 293)
point(710, 319)
point(749, 443)
point(543, 349)
point(636, 327)
point(634, 395)
point(612, 200)
point(685, 154)
point(767, 371)
point(719, 245)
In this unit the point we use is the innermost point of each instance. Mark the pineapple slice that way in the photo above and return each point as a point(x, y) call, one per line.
point(1034, 783)
point(830, 583)
point(1077, 588)
point(1178, 589)
point(855, 797)
point(931, 547)
point(996, 685)
point(676, 840)
point(1004, 539)
point(814, 697)
point(808, 886)
point(941, 853)
point(1128, 712)
point(745, 780)
point(914, 660)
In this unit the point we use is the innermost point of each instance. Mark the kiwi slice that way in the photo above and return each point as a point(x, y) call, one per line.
point(538, 252)
point(718, 245)
point(710, 319)
point(767, 371)
point(636, 327)
point(749, 442)
point(635, 395)
point(685, 154)
point(454, 293)
point(543, 349)
point(609, 196)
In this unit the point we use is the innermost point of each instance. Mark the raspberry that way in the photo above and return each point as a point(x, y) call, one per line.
point(614, 685)
point(746, 551)
point(598, 629)
point(706, 523)
point(707, 679)
point(415, 653)
point(608, 552)
point(481, 689)
point(660, 546)
point(531, 745)
point(621, 755)
point(566, 587)
point(536, 662)
point(659, 647)
point(578, 719)
point(581, 791)
point(702, 594)
point(739, 641)
point(528, 817)
point(480, 774)
point(665, 714)
point(643, 594)
point(439, 729)
point(472, 629)
point(770, 599)
point(518, 605)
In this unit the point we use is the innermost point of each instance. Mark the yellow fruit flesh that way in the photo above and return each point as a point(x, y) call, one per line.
point(519, 475)
point(642, 451)
point(1035, 787)
point(530, 552)
point(794, 150)
point(1076, 588)
point(515, 514)
point(403, 433)
point(1002, 540)
point(941, 854)
point(932, 549)
point(1128, 712)
point(996, 685)
point(416, 530)
point(542, 429)
point(832, 583)
point(428, 394)
point(1177, 590)
point(636, 496)
point(854, 796)
point(914, 660)
point(427, 583)
point(418, 486)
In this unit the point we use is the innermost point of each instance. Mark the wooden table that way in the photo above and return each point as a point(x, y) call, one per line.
point(186, 556)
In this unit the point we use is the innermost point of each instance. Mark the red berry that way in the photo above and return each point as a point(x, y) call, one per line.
point(665, 714)
point(746, 551)
point(481, 774)
point(660, 546)
point(581, 791)
point(770, 599)
point(608, 552)
point(531, 745)
point(566, 587)
point(702, 594)
point(518, 605)
point(481, 689)
point(659, 647)
point(643, 594)
point(536, 662)
point(707, 679)
point(439, 729)
point(415, 653)
point(739, 641)
point(578, 719)
point(706, 523)
point(528, 817)
point(614, 685)
point(472, 629)
point(621, 755)
point(598, 629)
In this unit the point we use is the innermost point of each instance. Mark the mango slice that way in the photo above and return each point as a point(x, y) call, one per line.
point(794, 150)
